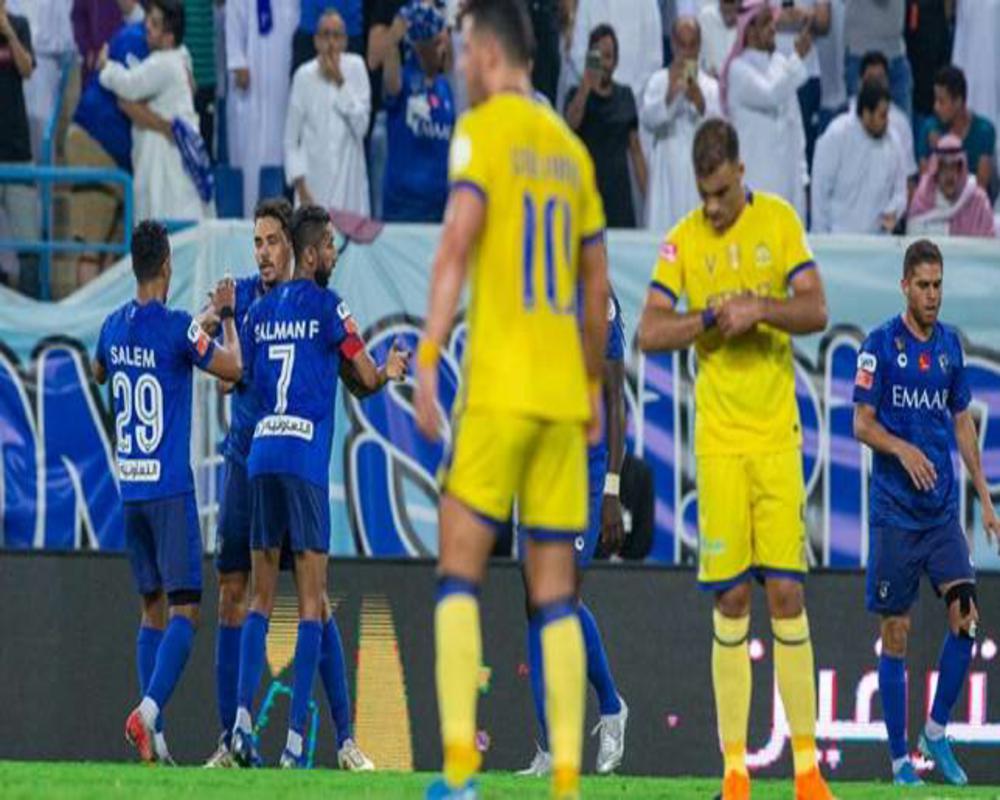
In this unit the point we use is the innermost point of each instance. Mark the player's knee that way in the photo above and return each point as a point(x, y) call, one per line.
point(963, 609)
point(185, 603)
point(734, 602)
point(154, 610)
point(895, 635)
point(785, 598)
point(232, 599)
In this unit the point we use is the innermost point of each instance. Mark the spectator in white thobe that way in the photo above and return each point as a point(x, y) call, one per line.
point(759, 92)
point(977, 54)
point(875, 67)
point(259, 59)
point(675, 103)
point(718, 32)
point(859, 184)
point(161, 186)
point(327, 120)
point(639, 28)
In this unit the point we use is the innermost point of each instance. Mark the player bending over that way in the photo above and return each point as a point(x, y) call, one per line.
point(525, 225)
point(296, 338)
point(273, 254)
point(604, 520)
point(148, 351)
point(744, 265)
point(911, 405)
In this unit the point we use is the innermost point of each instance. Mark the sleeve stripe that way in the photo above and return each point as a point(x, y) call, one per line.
point(665, 290)
point(800, 268)
point(592, 238)
point(465, 183)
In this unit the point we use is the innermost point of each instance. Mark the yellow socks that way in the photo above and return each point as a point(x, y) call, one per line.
point(565, 700)
point(731, 681)
point(459, 655)
point(793, 663)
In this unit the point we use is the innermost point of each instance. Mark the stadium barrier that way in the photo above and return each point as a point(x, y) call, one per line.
point(59, 489)
point(68, 675)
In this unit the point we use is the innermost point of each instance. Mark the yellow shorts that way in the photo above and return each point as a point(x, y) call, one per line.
point(751, 518)
point(496, 457)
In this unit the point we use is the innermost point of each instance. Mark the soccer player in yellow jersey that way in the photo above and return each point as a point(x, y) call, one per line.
point(743, 264)
point(524, 225)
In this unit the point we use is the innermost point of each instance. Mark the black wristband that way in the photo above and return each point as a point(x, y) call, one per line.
point(226, 312)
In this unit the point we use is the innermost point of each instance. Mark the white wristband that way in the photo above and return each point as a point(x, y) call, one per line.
point(612, 484)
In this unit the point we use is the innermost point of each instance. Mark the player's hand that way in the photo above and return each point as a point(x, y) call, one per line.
point(241, 77)
point(917, 466)
point(425, 403)
point(612, 527)
point(209, 320)
point(224, 295)
point(738, 315)
point(102, 57)
point(397, 364)
point(991, 525)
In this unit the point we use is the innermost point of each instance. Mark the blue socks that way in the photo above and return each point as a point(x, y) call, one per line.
point(892, 687)
point(332, 671)
point(171, 656)
point(227, 673)
point(146, 646)
point(956, 653)
point(306, 661)
point(598, 671)
point(253, 641)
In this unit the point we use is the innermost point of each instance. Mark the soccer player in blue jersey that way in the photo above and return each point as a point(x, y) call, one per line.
point(911, 406)
point(604, 522)
point(148, 351)
point(296, 340)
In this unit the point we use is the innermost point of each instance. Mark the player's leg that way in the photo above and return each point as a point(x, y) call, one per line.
point(724, 555)
point(541, 764)
point(951, 572)
point(891, 586)
point(553, 513)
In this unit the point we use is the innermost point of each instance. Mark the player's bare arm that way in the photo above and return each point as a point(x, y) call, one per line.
point(612, 529)
point(802, 312)
point(100, 374)
point(363, 377)
point(870, 431)
point(663, 327)
point(227, 359)
point(594, 279)
point(464, 219)
point(968, 447)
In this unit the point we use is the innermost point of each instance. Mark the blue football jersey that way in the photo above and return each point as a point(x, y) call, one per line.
point(293, 339)
point(148, 352)
point(915, 387)
point(244, 410)
point(614, 350)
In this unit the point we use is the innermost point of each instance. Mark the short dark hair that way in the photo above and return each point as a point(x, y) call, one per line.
point(952, 80)
point(874, 58)
point(308, 225)
point(150, 249)
point(873, 93)
point(601, 31)
point(277, 208)
point(509, 22)
point(922, 251)
point(173, 17)
point(715, 143)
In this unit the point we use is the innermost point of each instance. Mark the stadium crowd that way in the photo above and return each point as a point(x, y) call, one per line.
point(868, 116)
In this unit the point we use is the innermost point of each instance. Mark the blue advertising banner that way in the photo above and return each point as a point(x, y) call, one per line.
point(58, 486)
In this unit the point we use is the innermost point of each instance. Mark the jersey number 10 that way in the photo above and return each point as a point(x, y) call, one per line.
point(554, 262)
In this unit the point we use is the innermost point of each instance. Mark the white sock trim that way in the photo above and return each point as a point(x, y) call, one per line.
point(149, 711)
point(934, 730)
point(293, 744)
point(244, 722)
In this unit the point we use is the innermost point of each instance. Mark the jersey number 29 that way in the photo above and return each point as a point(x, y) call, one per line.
point(145, 400)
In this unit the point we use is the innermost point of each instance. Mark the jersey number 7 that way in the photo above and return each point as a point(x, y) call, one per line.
point(285, 353)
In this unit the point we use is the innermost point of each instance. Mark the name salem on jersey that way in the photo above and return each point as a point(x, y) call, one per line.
point(282, 330)
point(919, 399)
point(122, 356)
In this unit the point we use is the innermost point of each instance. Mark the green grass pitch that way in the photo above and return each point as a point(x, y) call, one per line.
point(128, 781)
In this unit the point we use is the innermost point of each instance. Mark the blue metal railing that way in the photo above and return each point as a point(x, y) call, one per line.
point(46, 246)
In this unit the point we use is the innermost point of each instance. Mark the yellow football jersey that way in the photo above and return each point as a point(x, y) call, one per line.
point(524, 354)
point(745, 387)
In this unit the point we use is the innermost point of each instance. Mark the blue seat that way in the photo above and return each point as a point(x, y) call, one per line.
point(228, 192)
point(272, 182)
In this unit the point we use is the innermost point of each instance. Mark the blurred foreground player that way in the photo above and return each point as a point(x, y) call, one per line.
point(604, 522)
point(911, 405)
point(272, 240)
point(744, 265)
point(296, 339)
point(148, 352)
point(525, 225)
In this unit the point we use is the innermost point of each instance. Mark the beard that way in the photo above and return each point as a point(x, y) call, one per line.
point(322, 278)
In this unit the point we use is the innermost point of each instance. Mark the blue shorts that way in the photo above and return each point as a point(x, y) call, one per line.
point(235, 517)
point(898, 557)
point(291, 512)
point(584, 546)
point(163, 541)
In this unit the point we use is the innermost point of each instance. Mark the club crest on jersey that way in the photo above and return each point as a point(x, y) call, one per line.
point(668, 252)
point(198, 338)
point(943, 362)
point(924, 362)
point(902, 360)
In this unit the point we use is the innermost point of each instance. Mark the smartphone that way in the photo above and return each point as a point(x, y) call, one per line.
point(690, 71)
point(594, 61)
